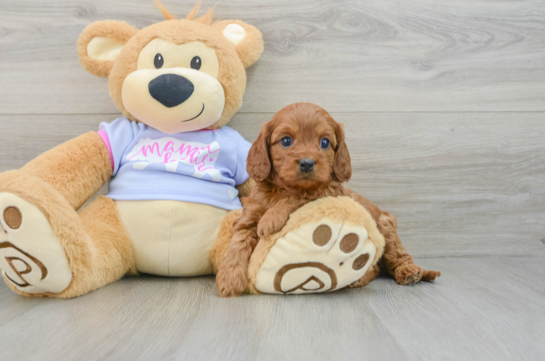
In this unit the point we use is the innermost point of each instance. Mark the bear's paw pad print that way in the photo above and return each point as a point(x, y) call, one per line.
point(31, 258)
point(315, 258)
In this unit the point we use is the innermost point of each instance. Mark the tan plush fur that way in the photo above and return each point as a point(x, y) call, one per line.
point(251, 47)
point(61, 180)
point(232, 59)
point(77, 169)
point(165, 12)
point(113, 29)
point(95, 242)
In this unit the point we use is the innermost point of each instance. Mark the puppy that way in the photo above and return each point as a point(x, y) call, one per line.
point(299, 156)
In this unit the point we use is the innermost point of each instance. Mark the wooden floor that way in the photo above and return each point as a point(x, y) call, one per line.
point(481, 309)
point(444, 107)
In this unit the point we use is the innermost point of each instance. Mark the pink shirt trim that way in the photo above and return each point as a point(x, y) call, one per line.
point(106, 140)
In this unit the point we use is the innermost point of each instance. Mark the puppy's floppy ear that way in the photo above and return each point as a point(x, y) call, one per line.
point(100, 43)
point(246, 39)
point(342, 167)
point(259, 160)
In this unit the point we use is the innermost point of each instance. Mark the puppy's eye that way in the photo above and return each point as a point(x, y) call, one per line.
point(158, 61)
point(286, 142)
point(325, 144)
point(196, 63)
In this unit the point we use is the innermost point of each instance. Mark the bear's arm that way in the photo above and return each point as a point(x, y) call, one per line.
point(77, 169)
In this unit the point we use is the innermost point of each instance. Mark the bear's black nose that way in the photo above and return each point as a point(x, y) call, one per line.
point(170, 89)
point(306, 165)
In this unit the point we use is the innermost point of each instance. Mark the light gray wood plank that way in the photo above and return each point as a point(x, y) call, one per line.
point(377, 55)
point(55, 325)
point(477, 310)
point(480, 309)
point(460, 184)
point(13, 305)
point(327, 328)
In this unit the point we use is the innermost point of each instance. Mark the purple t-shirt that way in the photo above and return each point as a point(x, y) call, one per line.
point(202, 166)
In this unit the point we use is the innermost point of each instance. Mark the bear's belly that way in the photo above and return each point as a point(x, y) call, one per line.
point(171, 238)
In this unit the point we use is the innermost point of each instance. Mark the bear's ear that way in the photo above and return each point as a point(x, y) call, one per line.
point(246, 39)
point(100, 43)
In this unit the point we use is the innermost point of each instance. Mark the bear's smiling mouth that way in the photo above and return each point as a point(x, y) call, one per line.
point(195, 117)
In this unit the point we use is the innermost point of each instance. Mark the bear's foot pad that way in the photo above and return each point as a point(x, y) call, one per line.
point(31, 257)
point(316, 257)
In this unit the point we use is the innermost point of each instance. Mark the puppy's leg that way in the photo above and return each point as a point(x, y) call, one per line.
point(232, 277)
point(277, 216)
point(396, 259)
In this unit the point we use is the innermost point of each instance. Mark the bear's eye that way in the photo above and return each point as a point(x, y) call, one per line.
point(325, 143)
point(196, 63)
point(158, 61)
point(286, 142)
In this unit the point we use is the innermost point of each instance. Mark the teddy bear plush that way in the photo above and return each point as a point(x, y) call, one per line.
point(176, 173)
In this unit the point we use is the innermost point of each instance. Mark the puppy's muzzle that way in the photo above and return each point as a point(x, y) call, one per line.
point(306, 165)
point(171, 89)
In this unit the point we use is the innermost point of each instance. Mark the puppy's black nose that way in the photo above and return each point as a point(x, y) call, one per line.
point(306, 165)
point(170, 89)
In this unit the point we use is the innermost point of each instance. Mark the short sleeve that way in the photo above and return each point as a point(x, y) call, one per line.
point(117, 136)
point(243, 147)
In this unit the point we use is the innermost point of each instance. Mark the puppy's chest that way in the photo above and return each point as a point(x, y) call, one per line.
point(273, 197)
point(291, 202)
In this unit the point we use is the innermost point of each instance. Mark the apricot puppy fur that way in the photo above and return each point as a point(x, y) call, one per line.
point(299, 156)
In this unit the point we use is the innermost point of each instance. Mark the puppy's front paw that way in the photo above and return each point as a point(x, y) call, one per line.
point(269, 225)
point(232, 281)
